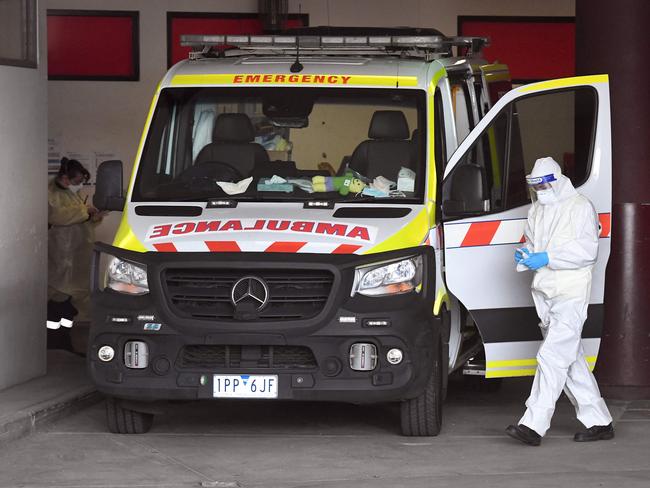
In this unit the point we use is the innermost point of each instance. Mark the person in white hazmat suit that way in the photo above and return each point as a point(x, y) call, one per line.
point(561, 247)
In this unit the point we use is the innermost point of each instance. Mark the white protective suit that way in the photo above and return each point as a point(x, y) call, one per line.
point(565, 226)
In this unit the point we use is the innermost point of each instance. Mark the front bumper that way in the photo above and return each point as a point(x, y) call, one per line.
point(413, 329)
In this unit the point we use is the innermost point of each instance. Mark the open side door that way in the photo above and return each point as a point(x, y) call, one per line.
point(486, 201)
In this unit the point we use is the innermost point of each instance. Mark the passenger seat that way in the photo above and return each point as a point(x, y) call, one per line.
point(387, 149)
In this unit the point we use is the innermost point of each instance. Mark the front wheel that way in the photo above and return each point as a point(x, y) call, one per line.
point(122, 420)
point(422, 415)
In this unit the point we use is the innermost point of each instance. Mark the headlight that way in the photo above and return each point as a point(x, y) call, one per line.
point(388, 278)
point(127, 277)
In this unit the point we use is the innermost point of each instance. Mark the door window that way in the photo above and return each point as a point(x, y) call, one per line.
point(475, 185)
point(559, 124)
point(490, 177)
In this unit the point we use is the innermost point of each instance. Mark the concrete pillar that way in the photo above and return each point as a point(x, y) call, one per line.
point(23, 217)
point(611, 37)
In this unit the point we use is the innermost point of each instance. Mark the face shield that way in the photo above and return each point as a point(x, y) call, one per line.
point(540, 188)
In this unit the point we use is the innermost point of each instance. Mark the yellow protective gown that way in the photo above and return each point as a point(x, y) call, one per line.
point(70, 242)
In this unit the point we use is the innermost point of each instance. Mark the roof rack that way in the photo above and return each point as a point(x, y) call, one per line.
point(428, 47)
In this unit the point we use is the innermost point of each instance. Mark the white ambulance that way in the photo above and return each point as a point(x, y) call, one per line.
point(333, 218)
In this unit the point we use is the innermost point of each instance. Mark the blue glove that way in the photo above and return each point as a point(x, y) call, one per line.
point(519, 257)
point(536, 260)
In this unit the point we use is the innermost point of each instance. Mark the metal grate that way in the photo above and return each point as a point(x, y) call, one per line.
point(205, 294)
point(246, 357)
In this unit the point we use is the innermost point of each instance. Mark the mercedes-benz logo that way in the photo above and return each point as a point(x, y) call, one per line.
point(250, 289)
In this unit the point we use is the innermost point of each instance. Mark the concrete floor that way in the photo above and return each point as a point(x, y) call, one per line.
point(331, 445)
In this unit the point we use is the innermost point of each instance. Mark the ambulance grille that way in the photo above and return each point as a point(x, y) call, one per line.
point(205, 294)
point(242, 357)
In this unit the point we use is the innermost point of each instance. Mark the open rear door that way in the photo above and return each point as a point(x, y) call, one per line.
point(496, 82)
point(485, 204)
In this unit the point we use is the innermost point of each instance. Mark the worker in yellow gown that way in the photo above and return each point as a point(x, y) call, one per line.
point(71, 234)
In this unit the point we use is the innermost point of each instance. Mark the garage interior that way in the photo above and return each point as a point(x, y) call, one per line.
point(45, 393)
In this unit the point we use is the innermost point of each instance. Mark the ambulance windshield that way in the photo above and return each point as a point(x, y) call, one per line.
point(285, 144)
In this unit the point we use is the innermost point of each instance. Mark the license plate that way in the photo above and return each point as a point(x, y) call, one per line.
point(245, 386)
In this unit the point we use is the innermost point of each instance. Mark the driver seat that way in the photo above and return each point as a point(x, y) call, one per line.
point(232, 143)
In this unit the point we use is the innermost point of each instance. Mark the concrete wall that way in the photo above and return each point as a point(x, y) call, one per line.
point(23, 219)
point(109, 116)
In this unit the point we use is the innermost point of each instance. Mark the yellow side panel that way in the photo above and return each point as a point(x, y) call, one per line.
point(441, 297)
point(126, 239)
point(511, 373)
point(411, 235)
point(512, 368)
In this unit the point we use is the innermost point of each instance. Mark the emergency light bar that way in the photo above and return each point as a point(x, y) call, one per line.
point(388, 44)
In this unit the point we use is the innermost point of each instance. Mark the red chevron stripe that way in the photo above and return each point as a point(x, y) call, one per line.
point(605, 220)
point(480, 233)
point(346, 249)
point(282, 246)
point(165, 247)
point(223, 246)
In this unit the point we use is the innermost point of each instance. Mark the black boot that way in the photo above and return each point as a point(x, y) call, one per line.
point(60, 338)
point(524, 434)
point(595, 433)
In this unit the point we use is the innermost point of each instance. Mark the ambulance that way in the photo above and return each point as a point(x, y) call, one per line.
point(333, 218)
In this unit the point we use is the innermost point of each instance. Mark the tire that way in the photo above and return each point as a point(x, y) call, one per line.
point(422, 415)
point(125, 421)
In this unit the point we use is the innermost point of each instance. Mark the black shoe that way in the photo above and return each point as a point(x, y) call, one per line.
point(524, 434)
point(595, 433)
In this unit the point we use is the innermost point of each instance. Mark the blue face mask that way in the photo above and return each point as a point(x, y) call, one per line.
point(373, 192)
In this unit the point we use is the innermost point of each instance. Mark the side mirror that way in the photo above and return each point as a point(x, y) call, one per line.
point(108, 191)
point(468, 193)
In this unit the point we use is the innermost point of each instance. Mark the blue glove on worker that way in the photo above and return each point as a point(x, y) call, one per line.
point(536, 260)
point(519, 256)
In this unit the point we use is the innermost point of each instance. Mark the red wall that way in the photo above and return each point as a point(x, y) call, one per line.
point(88, 46)
point(533, 49)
